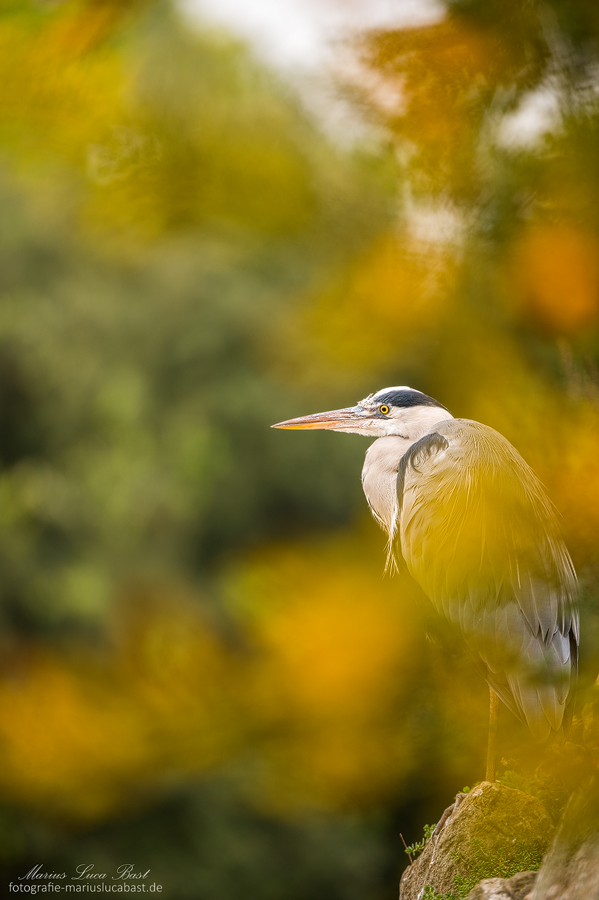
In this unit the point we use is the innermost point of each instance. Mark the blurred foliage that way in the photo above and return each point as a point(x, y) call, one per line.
point(512, 196)
point(148, 254)
point(202, 666)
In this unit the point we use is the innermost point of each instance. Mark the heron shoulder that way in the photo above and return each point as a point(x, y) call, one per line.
point(483, 446)
point(471, 432)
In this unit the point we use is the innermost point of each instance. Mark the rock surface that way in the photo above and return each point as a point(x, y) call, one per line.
point(518, 887)
point(493, 818)
point(570, 871)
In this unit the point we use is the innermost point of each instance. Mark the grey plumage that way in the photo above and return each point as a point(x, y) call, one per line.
point(480, 536)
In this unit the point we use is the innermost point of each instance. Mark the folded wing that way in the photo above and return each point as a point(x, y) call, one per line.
point(480, 536)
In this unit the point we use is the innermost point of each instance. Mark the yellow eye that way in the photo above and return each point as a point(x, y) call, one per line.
point(384, 410)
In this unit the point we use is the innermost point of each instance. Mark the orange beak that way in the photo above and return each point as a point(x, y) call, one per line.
point(336, 419)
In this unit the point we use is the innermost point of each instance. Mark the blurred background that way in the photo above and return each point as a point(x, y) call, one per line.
point(214, 217)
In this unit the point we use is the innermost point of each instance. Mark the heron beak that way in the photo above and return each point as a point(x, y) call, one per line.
point(335, 420)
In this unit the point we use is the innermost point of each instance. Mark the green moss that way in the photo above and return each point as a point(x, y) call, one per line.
point(481, 863)
point(430, 894)
point(519, 782)
point(417, 848)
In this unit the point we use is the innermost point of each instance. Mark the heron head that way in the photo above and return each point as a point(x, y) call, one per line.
point(391, 411)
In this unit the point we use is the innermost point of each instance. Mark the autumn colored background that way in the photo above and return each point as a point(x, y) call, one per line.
point(203, 670)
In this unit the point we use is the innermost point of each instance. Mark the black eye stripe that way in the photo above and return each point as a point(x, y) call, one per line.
point(408, 398)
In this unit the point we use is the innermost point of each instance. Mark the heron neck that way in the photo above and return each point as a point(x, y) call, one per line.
point(379, 474)
point(379, 478)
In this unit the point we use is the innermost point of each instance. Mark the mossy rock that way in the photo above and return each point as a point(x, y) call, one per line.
point(571, 868)
point(518, 887)
point(495, 832)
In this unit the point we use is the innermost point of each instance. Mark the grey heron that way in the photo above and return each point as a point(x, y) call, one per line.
point(479, 534)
